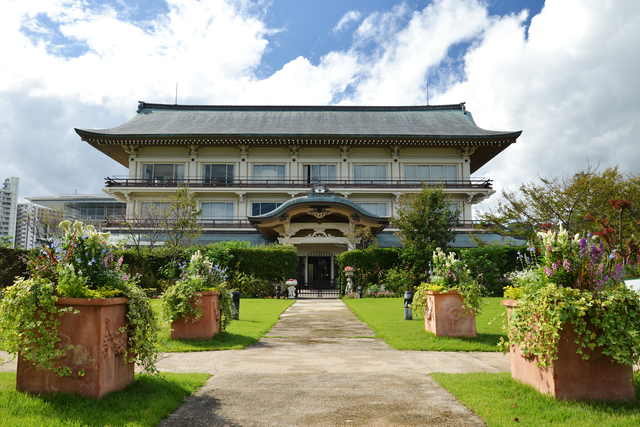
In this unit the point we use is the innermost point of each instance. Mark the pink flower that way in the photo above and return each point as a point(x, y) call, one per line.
point(566, 265)
point(548, 271)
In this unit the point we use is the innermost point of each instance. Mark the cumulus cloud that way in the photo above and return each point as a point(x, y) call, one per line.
point(567, 79)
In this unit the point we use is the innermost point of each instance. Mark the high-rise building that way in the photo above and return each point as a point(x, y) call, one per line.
point(9, 207)
point(35, 224)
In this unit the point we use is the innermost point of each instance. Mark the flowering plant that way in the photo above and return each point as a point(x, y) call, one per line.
point(575, 281)
point(199, 275)
point(81, 265)
point(291, 282)
point(449, 274)
point(349, 268)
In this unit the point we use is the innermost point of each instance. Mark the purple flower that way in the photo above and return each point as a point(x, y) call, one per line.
point(548, 271)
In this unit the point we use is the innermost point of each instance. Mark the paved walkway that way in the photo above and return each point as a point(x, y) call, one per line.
point(316, 368)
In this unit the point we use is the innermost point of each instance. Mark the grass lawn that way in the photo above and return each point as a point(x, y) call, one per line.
point(257, 317)
point(146, 402)
point(386, 317)
point(502, 401)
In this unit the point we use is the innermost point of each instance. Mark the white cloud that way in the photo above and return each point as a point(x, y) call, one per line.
point(351, 16)
point(569, 80)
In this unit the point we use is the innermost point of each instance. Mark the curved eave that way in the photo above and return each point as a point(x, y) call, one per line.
point(157, 137)
point(268, 222)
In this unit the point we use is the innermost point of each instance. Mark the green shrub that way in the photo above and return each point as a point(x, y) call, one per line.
point(364, 261)
point(12, 265)
point(490, 264)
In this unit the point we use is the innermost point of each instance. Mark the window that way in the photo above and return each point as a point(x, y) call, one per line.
point(378, 209)
point(154, 210)
point(217, 210)
point(375, 173)
point(263, 208)
point(317, 173)
point(163, 172)
point(430, 172)
point(268, 172)
point(217, 173)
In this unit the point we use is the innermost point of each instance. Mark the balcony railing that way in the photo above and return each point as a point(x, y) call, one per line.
point(119, 223)
point(296, 183)
point(148, 224)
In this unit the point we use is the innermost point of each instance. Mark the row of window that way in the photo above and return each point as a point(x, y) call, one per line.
point(224, 210)
point(223, 173)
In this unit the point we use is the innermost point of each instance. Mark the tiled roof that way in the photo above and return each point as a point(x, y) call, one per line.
point(160, 120)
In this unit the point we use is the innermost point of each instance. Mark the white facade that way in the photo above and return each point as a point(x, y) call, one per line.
point(9, 207)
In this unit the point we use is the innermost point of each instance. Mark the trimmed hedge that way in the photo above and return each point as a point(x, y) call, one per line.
point(12, 265)
point(266, 264)
point(269, 263)
point(489, 265)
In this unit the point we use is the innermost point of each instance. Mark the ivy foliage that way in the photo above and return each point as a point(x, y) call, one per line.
point(573, 283)
point(181, 301)
point(449, 273)
point(81, 265)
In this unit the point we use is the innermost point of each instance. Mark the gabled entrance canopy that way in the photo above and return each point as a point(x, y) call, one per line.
point(318, 217)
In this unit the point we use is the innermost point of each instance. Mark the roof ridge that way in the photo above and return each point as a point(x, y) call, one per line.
point(460, 106)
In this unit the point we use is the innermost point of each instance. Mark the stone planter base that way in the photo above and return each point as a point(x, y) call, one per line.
point(443, 315)
point(571, 377)
point(98, 351)
point(206, 326)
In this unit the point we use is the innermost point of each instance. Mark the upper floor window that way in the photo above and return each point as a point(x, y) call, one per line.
point(370, 172)
point(318, 173)
point(268, 172)
point(378, 209)
point(263, 208)
point(430, 172)
point(163, 172)
point(217, 173)
point(217, 210)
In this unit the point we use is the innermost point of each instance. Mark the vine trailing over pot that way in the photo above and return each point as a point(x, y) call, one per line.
point(200, 275)
point(574, 281)
point(81, 265)
point(449, 274)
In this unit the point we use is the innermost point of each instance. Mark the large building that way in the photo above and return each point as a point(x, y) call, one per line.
point(9, 208)
point(299, 175)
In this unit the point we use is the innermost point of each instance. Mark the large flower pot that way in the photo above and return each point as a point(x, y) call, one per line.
point(206, 326)
point(570, 376)
point(97, 360)
point(445, 317)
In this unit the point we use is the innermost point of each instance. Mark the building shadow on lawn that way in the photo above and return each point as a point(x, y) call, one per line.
point(222, 341)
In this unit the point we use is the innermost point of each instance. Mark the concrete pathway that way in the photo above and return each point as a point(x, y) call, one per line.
point(318, 368)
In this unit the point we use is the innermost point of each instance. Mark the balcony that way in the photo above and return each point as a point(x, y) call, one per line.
point(207, 224)
point(474, 183)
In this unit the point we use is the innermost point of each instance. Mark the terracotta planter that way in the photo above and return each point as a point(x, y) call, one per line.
point(206, 326)
point(571, 377)
point(98, 350)
point(444, 317)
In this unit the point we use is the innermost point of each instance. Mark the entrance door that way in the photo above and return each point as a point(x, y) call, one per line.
point(320, 272)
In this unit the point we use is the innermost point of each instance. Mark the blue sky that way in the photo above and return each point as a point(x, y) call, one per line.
point(563, 71)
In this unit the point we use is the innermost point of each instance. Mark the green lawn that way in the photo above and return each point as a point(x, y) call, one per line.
point(257, 317)
point(502, 401)
point(146, 402)
point(386, 317)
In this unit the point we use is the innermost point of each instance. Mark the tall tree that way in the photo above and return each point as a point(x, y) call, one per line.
point(579, 202)
point(425, 222)
point(182, 220)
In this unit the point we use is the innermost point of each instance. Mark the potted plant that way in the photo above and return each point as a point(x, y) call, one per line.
point(199, 305)
point(79, 323)
point(451, 299)
point(572, 322)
